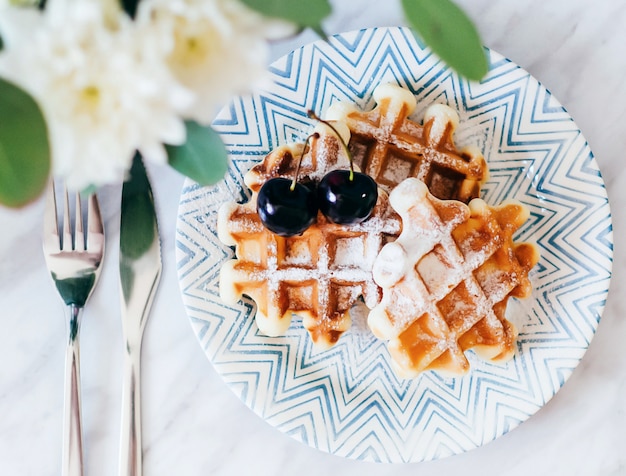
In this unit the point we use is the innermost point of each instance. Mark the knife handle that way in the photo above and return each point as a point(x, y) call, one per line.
point(130, 441)
point(72, 461)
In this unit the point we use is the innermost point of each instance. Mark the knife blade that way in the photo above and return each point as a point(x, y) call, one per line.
point(140, 272)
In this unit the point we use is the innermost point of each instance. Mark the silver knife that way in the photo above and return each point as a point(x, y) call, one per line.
point(140, 272)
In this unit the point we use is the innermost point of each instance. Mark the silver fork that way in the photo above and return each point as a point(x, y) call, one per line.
point(75, 267)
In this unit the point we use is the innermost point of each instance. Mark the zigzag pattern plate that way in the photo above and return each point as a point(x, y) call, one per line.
point(347, 400)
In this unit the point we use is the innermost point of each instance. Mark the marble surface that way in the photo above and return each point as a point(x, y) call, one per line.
point(193, 424)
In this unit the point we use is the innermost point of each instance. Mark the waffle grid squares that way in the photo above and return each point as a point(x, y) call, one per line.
point(390, 147)
point(462, 275)
point(440, 289)
point(318, 275)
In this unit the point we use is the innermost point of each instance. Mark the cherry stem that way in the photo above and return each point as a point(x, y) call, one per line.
point(292, 187)
point(312, 115)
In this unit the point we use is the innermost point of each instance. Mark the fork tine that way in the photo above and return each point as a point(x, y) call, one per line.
point(52, 240)
point(95, 227)
point(67, 232)
point(79, 235)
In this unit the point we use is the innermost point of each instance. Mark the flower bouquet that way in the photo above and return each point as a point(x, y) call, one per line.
point(87, 85)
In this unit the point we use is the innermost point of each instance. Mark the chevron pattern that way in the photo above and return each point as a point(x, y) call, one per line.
point(347, 400)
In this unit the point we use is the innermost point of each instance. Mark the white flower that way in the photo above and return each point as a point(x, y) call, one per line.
point(215, 48)
point(102, 98)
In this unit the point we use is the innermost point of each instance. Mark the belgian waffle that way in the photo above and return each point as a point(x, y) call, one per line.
point(446, 281)
point(389, 147)
point(318, 275)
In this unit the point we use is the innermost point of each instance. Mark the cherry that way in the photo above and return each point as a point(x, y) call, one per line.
point(346, 197)
point(285, 207)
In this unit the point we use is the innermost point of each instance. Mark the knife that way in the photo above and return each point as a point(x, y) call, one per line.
point(140, 272)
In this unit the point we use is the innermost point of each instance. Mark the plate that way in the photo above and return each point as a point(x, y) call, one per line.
point(347, 400)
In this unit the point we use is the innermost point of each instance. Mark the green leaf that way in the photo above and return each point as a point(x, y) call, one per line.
point(24, 147)
point(447, 30)
point(202, 158)
point(308, 13)
point(138, 223)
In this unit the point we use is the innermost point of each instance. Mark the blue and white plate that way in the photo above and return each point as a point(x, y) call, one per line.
point(347, 400)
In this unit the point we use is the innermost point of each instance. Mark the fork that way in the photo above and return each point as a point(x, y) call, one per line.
point(74, 265)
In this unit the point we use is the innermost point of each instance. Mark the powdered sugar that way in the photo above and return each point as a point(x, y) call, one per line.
point(319, 274)
point(440, 282)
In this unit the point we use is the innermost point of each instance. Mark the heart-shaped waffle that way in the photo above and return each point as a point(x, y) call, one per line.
point(318, 275)
point(446, 281)
point(389, 147)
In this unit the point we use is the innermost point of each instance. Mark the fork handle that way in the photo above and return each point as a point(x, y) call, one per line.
point(72, 426)
point(130, 442)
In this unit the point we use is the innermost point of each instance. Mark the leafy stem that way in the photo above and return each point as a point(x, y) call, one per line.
point(450, 33)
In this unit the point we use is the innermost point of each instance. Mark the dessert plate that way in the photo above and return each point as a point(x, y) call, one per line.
point(347, 400)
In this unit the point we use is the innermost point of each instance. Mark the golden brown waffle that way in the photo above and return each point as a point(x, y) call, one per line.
point(446, 281)
point(389, 147)
point(324, 154)
point(318, 275)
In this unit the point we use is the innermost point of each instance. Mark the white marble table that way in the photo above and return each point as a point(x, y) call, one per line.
point(193, 424)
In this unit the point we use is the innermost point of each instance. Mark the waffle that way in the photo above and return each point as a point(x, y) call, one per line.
point(446, 281)
point(390, 147)
point(318, 275)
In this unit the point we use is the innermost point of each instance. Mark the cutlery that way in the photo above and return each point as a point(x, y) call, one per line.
point(140, 271)
point(74, 264)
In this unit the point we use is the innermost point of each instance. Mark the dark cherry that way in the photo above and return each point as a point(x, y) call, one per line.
point(346, 197)
point(286, 208)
